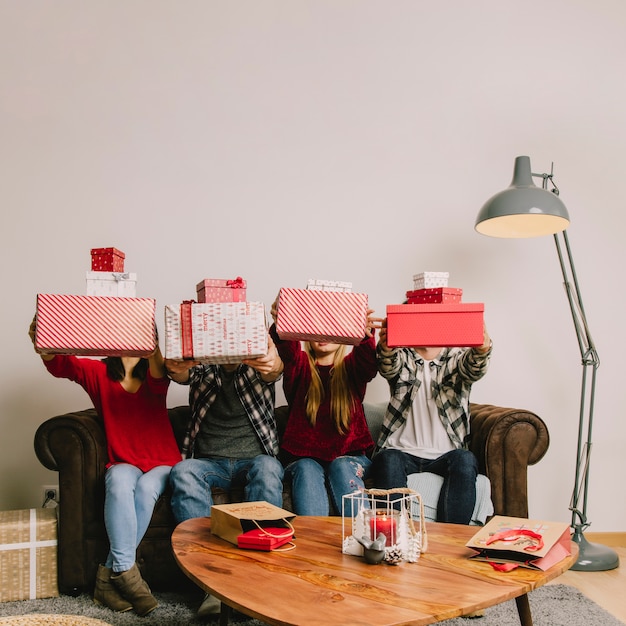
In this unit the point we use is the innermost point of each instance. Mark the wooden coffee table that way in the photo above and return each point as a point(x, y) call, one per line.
point(316, 584)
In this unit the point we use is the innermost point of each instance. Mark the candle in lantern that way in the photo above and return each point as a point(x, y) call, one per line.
point(385, 523)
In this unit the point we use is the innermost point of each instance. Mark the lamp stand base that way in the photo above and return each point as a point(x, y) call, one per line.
point(593, 557)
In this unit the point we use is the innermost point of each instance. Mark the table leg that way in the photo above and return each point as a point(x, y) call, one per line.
point(523, 609)
point(225, 614)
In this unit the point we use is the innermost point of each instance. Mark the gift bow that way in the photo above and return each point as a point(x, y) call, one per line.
point(237, 283)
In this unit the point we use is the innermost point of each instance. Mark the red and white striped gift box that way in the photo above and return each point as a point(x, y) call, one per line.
point(95, 325)
point(215, 332)
point(311, 315)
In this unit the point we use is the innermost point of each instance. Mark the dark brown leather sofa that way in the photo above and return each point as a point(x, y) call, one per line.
point(506, 441)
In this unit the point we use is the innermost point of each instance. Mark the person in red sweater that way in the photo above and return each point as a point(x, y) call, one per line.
point(326, 442)
point(129, 395)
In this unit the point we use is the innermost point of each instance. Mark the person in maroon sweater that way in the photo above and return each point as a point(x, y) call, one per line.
point(326, 443)
point(129, 395)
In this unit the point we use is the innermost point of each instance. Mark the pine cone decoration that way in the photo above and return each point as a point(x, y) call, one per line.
point(393, 555)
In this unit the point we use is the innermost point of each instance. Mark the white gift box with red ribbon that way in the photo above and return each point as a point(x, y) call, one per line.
point(95, 325)
point(215, 332)
point(221, 290)
point(312, 315)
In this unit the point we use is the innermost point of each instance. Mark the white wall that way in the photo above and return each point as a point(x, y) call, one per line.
point(345, 139)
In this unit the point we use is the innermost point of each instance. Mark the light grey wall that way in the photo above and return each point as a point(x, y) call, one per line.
point(346, 139)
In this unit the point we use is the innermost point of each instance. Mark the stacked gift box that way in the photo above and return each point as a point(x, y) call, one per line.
point(107, 276)
point(221, 328)
point(324, 311)
point(434, 316)
point(28, 554)
point(108, 321)
point(221, 290)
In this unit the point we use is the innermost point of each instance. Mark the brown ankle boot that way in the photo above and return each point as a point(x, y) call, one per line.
point(106, 593)
point(135, 589)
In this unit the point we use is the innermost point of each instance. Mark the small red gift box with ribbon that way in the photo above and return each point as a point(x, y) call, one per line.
point(221, 290)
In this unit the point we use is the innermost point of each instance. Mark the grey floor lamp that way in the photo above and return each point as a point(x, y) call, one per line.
point(525, 210)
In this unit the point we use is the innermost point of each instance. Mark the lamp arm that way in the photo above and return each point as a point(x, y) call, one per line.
point(590, 362)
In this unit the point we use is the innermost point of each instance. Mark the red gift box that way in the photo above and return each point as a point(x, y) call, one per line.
point(95, 325)
point(107, 260)
point(215, 332)
point(221, 290)
point(332, 316)
point(435, 325)
point(437, 294)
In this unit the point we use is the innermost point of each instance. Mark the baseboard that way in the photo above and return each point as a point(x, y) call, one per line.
point(615, 540)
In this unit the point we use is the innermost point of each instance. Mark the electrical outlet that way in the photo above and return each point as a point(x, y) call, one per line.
point(49, 495)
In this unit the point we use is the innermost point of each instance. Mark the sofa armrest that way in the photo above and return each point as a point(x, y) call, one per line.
point(506, 441)
point(74, 445)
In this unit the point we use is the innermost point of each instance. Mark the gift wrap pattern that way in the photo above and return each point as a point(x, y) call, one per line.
point(111, 284)
point(95, 325)
point(311, 315)
point(428, 280)
point(215, 332)
point(28, 554)
point(318, 284)
point(221, 290)
point(436, 294)
point(107, 260)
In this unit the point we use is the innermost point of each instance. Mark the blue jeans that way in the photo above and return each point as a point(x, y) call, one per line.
point(458, 468)
point(129, 499)
point(192, 481)
point(312, 482)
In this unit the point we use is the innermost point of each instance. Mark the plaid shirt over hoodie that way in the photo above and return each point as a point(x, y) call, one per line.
point(455, 370)
point(257, 397)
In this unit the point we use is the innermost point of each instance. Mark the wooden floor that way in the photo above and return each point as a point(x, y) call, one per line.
point(604, 588)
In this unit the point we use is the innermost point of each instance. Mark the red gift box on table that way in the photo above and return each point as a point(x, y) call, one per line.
point(107, 260)
point(332, 316)
point(435, 325)
point(95, 325)
point(438, 294)
point(215, 332)
point(221, 290)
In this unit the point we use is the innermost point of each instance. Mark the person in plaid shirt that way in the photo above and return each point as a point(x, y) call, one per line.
point(426, 427)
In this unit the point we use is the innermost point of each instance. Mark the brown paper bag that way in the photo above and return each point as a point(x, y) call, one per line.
point(521, 542)
point(228, 521)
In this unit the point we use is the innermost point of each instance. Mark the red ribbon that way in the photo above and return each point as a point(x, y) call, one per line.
point(186, 329)
point(237, 283)
point(512, 534)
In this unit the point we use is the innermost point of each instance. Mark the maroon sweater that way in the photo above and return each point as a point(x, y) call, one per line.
point(322, 441)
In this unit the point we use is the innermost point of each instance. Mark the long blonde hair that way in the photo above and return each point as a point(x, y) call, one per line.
point(341, 397)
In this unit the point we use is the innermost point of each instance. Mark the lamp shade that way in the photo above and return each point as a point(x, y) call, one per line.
point(523, 209)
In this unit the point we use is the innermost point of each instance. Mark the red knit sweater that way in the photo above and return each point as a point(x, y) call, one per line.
point(322, 441)
point(137, 426)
